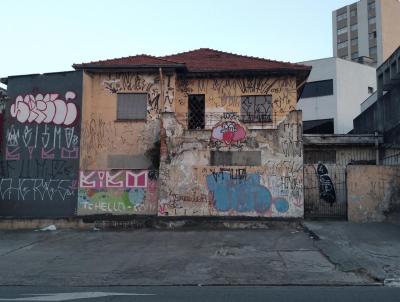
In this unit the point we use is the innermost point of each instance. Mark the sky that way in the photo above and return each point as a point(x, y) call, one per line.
point(38, 36)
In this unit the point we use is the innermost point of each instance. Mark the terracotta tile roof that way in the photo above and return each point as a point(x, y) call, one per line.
point(138, 61)
point(198, 60)
point(205, 59)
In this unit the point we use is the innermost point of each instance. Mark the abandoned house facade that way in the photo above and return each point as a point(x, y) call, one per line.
point(200, 133)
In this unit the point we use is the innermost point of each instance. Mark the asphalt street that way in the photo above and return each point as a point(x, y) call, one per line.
point(201, 294)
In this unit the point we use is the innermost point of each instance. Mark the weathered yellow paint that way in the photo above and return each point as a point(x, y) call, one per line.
point(102, 134)
point(373, 192)
point(224, 94)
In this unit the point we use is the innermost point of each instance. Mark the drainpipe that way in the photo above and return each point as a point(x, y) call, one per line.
point(162, 90)
point(377, 148)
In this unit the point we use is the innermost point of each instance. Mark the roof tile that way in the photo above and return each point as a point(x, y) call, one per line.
point(198, 60)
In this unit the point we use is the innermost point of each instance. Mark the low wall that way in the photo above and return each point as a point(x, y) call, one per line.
point(373, 192)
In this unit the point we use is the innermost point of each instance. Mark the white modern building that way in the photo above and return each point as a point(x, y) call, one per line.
point(333, 94)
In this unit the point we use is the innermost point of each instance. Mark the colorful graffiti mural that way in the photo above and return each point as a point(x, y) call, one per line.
point(119, 192)
point(228, 132)
point(48, 108)
point(40, 163)
point(244, 194)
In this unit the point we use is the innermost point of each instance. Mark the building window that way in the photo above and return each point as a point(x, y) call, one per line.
point(131, 106)
point(353, 13)
point(370, 90)
point(196, 111)
point(371, 20)
point(342, 30)
point(354, 42)
point(354, 55)
point(372, 35)
point(371, 6)
point(318, 88)
point(373, 52)
point(341, 17)
point(342, 45)
point(256, 109)
point(354, 27)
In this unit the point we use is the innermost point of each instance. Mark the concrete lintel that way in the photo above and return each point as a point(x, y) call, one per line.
point(341, 139)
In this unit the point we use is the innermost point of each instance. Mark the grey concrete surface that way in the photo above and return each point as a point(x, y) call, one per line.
point(275, 256)
point(201, 294)
point(372, 248)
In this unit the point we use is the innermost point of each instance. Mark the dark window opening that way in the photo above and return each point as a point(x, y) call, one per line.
point(318, 127)
point(318, 88)
point(316, 156)
point(131, 106)
point(196, 111)
point(256, 109)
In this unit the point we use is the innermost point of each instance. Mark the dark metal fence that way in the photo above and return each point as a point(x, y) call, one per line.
point(325, 194)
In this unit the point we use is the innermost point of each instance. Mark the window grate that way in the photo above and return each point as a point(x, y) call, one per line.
point(196, 112)
point(256, 109)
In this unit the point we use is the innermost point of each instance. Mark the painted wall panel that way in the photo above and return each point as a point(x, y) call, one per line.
point(118, 192)
point(40, 155)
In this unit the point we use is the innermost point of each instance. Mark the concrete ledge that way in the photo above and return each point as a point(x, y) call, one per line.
point(110, 222)
point(29, 224)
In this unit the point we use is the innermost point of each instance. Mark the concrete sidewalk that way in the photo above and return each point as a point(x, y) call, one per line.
point(277, 256)
point(371, 248)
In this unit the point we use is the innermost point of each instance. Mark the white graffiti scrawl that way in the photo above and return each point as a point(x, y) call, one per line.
point(47, 109)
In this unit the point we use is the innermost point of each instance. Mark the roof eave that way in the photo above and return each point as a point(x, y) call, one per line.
point(94, 67)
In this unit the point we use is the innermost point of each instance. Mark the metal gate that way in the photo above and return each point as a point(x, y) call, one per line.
point(325, 193)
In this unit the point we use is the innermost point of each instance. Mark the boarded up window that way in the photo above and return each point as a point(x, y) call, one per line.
point(238, 158)
point(131, 106)
point(256, 109)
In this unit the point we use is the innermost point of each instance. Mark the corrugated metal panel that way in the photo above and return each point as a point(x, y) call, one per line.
point(132, 106)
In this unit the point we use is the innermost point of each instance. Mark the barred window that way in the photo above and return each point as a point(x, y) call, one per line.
point(256, 108)
point(196, 111)
point(131, 106)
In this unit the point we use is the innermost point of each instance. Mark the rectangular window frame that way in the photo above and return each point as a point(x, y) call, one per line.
point(196, 120)
point(342, 45)
point(342, 31)
point(318, 89)
point(256, 109)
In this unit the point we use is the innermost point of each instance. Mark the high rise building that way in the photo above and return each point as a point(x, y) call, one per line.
point(366, 29)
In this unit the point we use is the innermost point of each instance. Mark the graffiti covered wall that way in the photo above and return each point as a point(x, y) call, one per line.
point(41, 144)
point(105, 139)
point(225, 95)
point(190, 185)
point(117, 192)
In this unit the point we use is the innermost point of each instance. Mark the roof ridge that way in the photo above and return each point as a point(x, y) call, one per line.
point(234, 54)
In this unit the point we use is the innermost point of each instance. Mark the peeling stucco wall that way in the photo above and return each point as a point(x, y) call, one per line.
point(191, 186)
point(102, 135)
point(373, 192)
point(112, 148)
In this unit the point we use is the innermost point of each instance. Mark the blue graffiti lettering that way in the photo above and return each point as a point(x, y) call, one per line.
point(242, 194)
